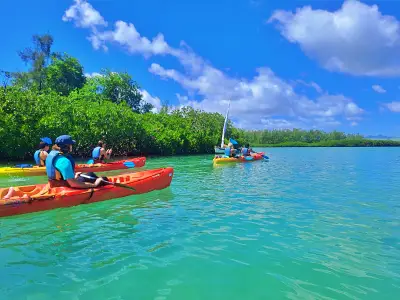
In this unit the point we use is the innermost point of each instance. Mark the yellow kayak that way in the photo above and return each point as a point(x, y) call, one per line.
point(225, 160)
point(29, 170)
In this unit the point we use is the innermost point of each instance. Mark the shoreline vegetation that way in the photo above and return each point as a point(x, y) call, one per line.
point(54, 97)
point(335, 143)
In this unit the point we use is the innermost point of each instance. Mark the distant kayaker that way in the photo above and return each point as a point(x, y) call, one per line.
point(41, 154)
point(99, 154)
point(60, 166)
point(246, 150)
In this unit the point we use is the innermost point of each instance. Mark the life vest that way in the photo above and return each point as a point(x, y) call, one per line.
point(245, 151)
point(36, 156)
point(55, 177)
point(228, 151)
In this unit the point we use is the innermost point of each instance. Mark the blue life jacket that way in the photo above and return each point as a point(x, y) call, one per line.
point(228, 151)
point(245, 151)
point(51, 169)
point(36, 156)
point(96, 153)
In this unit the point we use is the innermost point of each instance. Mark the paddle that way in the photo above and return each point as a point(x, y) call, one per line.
point(264, 156)
point(128, 164)
point(111, 183)
point(24, 166)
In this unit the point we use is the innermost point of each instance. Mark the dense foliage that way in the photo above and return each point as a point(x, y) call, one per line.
point(54, 97)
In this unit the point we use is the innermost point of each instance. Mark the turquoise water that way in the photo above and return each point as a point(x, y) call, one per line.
point(319, 223)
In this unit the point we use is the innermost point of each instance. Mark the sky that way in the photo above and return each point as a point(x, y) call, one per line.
point(330, 65)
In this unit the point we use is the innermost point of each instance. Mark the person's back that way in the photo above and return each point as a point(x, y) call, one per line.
point(228, 151)
point(60, 166)
point(41, 154)
point(246, 150)
point(99, 154)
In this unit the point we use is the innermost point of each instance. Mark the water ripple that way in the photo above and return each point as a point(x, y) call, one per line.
point(308, 224)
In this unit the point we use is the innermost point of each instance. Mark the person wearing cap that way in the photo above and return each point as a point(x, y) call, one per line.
point(60, 166)
point(41, 154)
point(99, 154)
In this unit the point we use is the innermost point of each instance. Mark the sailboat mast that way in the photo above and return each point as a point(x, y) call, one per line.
point(225, 122)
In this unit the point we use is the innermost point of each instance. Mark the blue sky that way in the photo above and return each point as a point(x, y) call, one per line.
point(283, 64)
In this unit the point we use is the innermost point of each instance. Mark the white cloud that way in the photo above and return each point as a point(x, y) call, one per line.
point(264, 101)
point(378, 89)
point(128, 37)
point(94, 74)
point(152, 100)
point(312, 84)
point(393, 106)
point(356, 39)
point(83, 15)
point(263, 97)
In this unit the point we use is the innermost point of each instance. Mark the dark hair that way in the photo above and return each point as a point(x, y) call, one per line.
point(247, 145)
point(42, 145)
point(100, 143)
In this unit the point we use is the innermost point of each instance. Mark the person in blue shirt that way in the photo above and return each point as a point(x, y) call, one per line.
point(60, 166)
point(41, 154)
point(100, 154)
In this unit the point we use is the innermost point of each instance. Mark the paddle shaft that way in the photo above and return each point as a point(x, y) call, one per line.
point(108, 182)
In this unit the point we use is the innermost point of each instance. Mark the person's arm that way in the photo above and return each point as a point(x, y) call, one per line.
point(64, 166)
point(43, 155)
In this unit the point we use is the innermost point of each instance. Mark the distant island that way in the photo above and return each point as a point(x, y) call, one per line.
point(382, 137)
point(314, 138)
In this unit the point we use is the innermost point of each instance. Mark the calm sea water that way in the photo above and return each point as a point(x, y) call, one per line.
point(319, 223)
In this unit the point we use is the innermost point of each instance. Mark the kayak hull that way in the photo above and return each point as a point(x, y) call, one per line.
point(111, 166)
point(241, 159)
point(34, 198)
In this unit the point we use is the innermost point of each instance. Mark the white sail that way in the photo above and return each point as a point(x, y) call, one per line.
point(225, 122)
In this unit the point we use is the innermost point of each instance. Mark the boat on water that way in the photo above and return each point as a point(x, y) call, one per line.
point(30, 170)
point(240, 159)
point(33, 198)
point(221, 149)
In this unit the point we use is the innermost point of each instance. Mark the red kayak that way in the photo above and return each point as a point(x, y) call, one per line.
point(29, 170)
point(33, 198)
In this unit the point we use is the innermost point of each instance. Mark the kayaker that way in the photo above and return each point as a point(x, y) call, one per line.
point(60, 166)
point(246, 150)
point(41, 154)
point(99, 154)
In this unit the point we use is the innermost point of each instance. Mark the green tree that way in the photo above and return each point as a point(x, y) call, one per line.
point(120, 87)
point(64, 74)
point(38, 57)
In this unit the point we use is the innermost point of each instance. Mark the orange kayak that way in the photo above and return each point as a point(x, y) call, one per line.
point(33, 198)
point(29, 170)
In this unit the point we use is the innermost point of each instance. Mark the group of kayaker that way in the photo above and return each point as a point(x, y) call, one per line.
point(231, 151)
point(60, 165)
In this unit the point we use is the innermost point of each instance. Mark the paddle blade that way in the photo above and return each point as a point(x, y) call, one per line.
point(90, 162)
point(265, 157)
point(129, 164)
point(233, 141)
point(24, 166)
point(124, 186)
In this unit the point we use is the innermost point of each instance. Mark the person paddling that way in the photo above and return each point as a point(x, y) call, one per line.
point(99, 154)
point(60, 167)
point(41, 154)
